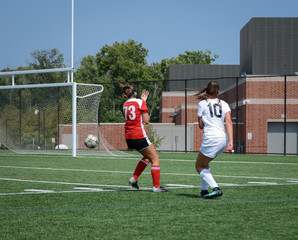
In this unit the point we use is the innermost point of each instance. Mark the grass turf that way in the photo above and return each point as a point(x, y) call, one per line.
point(50, 197)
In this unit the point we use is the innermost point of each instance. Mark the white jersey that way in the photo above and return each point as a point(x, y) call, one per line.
point(213, 112)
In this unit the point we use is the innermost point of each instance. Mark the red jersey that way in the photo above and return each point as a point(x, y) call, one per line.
point(134, 127)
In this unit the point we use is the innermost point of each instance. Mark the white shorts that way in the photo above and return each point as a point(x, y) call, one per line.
point(213, 148)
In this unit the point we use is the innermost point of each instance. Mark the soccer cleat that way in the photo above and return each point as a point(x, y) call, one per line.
point(133, 183)
point(160, 189)
point(216, 193)
point(204, 192)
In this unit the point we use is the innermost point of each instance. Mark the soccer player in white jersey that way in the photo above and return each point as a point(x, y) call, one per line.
point(136, 115)
point(212, 114)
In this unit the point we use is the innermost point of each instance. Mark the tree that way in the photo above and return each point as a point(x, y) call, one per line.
point(126, 62)
point(189, 57)
point(120, 63)
point(44, 59)
point(153, 136)
point(47, 59)
point(88, 72)
point(197, 57)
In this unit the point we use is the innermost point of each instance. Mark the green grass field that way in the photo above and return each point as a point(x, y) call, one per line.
point(55, 197)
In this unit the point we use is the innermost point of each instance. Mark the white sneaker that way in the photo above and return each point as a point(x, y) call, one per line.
point(133, 183)
point(160, 189)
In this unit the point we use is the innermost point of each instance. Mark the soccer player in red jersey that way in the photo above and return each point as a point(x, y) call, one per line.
point(136, 116)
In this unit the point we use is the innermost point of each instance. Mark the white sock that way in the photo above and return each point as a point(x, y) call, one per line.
point(204, 184)
point(132, 180)
point(208, 178)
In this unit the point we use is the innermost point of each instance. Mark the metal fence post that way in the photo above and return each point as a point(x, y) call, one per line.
point(237, 113)
point(285, 115)
point(185, 85)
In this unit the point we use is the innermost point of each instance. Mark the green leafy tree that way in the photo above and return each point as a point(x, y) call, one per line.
point(126, 62)
point(189, 57)
point(120, 63)
point(153, 136)
point(88, 72)
point(47, 59)
point(43, 59)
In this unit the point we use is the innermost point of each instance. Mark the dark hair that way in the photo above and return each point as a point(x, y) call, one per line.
point(211, 91)
point(127, 90)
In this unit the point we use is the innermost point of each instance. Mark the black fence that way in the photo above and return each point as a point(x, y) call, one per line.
point(264, 110)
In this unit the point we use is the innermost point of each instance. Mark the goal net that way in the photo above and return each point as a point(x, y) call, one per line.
point(52, 119)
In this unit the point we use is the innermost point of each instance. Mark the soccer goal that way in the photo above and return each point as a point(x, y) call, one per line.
point(52, 119)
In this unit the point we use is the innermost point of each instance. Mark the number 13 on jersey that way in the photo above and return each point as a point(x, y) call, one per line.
point(129, 112)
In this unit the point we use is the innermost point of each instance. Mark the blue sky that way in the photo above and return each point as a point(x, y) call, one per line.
point(165, 27)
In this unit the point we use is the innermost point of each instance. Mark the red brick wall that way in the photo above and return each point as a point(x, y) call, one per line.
point(171, 102)
point(112, 135)
point(258, 114)
point(192, 115)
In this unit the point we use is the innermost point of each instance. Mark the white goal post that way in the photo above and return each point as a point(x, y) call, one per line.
point(52, 118)
point(19, 103)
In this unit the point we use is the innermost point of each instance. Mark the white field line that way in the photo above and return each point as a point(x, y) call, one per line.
point(65, 169)
point(265, 163)
point(39, 192)
point(77, 189)
point(126, 172)
point(264, 183)
point(139, 157)
point(89, 189)
point(55, 192)
point(250, 177)
point(63, 156)
point(63, 183)
point(235, 162)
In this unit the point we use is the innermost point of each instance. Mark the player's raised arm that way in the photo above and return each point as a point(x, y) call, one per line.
point(145, 94)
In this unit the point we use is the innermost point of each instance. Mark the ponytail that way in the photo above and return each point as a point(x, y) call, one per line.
point(211, 91)
point(127, 90)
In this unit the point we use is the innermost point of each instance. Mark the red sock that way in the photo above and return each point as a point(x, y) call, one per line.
point(140, 168)
point(155, 172)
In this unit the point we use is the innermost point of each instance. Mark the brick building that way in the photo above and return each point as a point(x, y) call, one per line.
point(268, 46)
point(261, 107)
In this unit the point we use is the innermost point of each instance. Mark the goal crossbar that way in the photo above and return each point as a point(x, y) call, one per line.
point(35, 71)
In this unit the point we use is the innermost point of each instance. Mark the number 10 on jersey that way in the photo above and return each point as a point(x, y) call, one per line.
point(217, 111)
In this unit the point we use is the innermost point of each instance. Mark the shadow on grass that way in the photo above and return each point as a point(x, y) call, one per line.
point(188, 195)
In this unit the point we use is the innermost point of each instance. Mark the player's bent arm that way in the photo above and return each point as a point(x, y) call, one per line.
point(229, 129)
point(201, 124)
point(146, 118)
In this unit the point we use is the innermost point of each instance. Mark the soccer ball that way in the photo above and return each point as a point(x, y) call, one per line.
point(91, 141)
